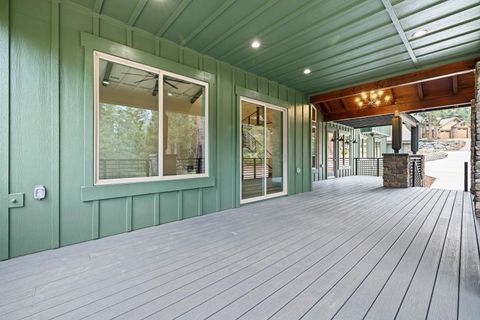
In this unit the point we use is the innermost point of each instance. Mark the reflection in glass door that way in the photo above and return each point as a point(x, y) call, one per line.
point(253, 150)
point(274, 151)
point(331, 165)
point(263, 151)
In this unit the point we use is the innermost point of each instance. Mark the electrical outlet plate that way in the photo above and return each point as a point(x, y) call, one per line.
point(16, 200)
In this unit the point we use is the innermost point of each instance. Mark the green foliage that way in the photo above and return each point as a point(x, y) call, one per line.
point(184, 135)
point(127, 133)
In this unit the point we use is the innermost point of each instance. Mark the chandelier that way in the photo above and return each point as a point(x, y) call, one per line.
point(372, 99)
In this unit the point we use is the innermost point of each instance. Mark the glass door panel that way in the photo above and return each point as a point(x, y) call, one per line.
point(274, 151)
point(253, 150)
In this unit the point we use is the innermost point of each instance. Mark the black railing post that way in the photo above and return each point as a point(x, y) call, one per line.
point(413, 173)
point(254, 168)
point(465, 176)
point(378, 167)
point(356, 166)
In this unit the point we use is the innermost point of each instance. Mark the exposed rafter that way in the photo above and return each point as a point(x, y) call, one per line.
point(327, 107)
point(226, 4)
point(421, 95)
point(97, 7)
point(459, 99)
point(171, 19)
point(455, 84)
point(137, 12)
point(444, 71)
point(393, 16)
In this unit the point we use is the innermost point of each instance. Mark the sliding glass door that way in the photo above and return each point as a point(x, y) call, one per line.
point(263, 150)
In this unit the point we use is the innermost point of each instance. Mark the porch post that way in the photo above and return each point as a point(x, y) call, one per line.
point(414, 139)
point(396, 132)
point(475, 143)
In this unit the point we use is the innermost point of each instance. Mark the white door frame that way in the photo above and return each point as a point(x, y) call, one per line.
point(284, 146)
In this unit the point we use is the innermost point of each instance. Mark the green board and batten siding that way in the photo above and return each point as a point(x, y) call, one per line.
point(45, 119)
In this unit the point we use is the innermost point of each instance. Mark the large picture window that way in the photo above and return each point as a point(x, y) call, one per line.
point(149, 124)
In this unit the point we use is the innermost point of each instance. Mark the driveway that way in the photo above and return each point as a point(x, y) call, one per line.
point(449, 171)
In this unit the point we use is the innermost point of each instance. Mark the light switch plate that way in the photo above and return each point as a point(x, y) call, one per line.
point(16, 200)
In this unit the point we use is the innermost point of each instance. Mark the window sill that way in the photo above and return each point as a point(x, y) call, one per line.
point(109, 191)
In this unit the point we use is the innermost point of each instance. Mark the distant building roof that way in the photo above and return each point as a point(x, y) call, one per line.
point(447, 120)
point(417, 116)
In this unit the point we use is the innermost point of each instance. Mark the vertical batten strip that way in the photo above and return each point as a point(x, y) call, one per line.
point(96, 24)
point(200, 202)
point(217, 179)
point(4, 126)
point(291, 142)
point(95, 219)
point(234, 138)
point(128, 213)
point(180, 204)
point(157, 46)
point(55, 118)
point(156, 209)
point(129, 32)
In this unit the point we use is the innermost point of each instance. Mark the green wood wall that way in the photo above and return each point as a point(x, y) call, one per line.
point(43, 128)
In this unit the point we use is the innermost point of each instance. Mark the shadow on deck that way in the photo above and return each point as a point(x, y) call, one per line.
point(348, 250)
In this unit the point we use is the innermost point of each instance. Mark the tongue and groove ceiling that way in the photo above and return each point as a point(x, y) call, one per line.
point(343, 42)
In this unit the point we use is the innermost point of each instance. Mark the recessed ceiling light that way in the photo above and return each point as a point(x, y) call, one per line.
point(105, 83)
point(255, 44)
point(420, 33)
point(307, 71)
point(170, 94)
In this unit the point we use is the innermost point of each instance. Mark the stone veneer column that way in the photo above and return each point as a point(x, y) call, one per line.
point(475, 139)
point(396, 173)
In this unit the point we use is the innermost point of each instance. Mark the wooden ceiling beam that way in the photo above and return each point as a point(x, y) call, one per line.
point(434, 103)
point(444, 71)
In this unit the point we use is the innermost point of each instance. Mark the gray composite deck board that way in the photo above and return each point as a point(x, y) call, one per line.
point(348, 250)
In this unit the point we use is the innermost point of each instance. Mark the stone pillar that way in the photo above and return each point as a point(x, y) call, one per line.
point(396, 173)
point(475, 139)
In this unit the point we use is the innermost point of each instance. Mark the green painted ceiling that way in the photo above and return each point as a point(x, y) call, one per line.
point(343, 42)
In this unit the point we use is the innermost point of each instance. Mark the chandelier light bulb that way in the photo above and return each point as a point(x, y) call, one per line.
point(373, 98)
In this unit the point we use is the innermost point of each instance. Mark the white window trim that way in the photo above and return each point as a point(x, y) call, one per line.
point(284, 191)
point(161, 73)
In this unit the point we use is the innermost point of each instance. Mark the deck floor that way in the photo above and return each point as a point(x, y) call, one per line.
point(348, 250)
